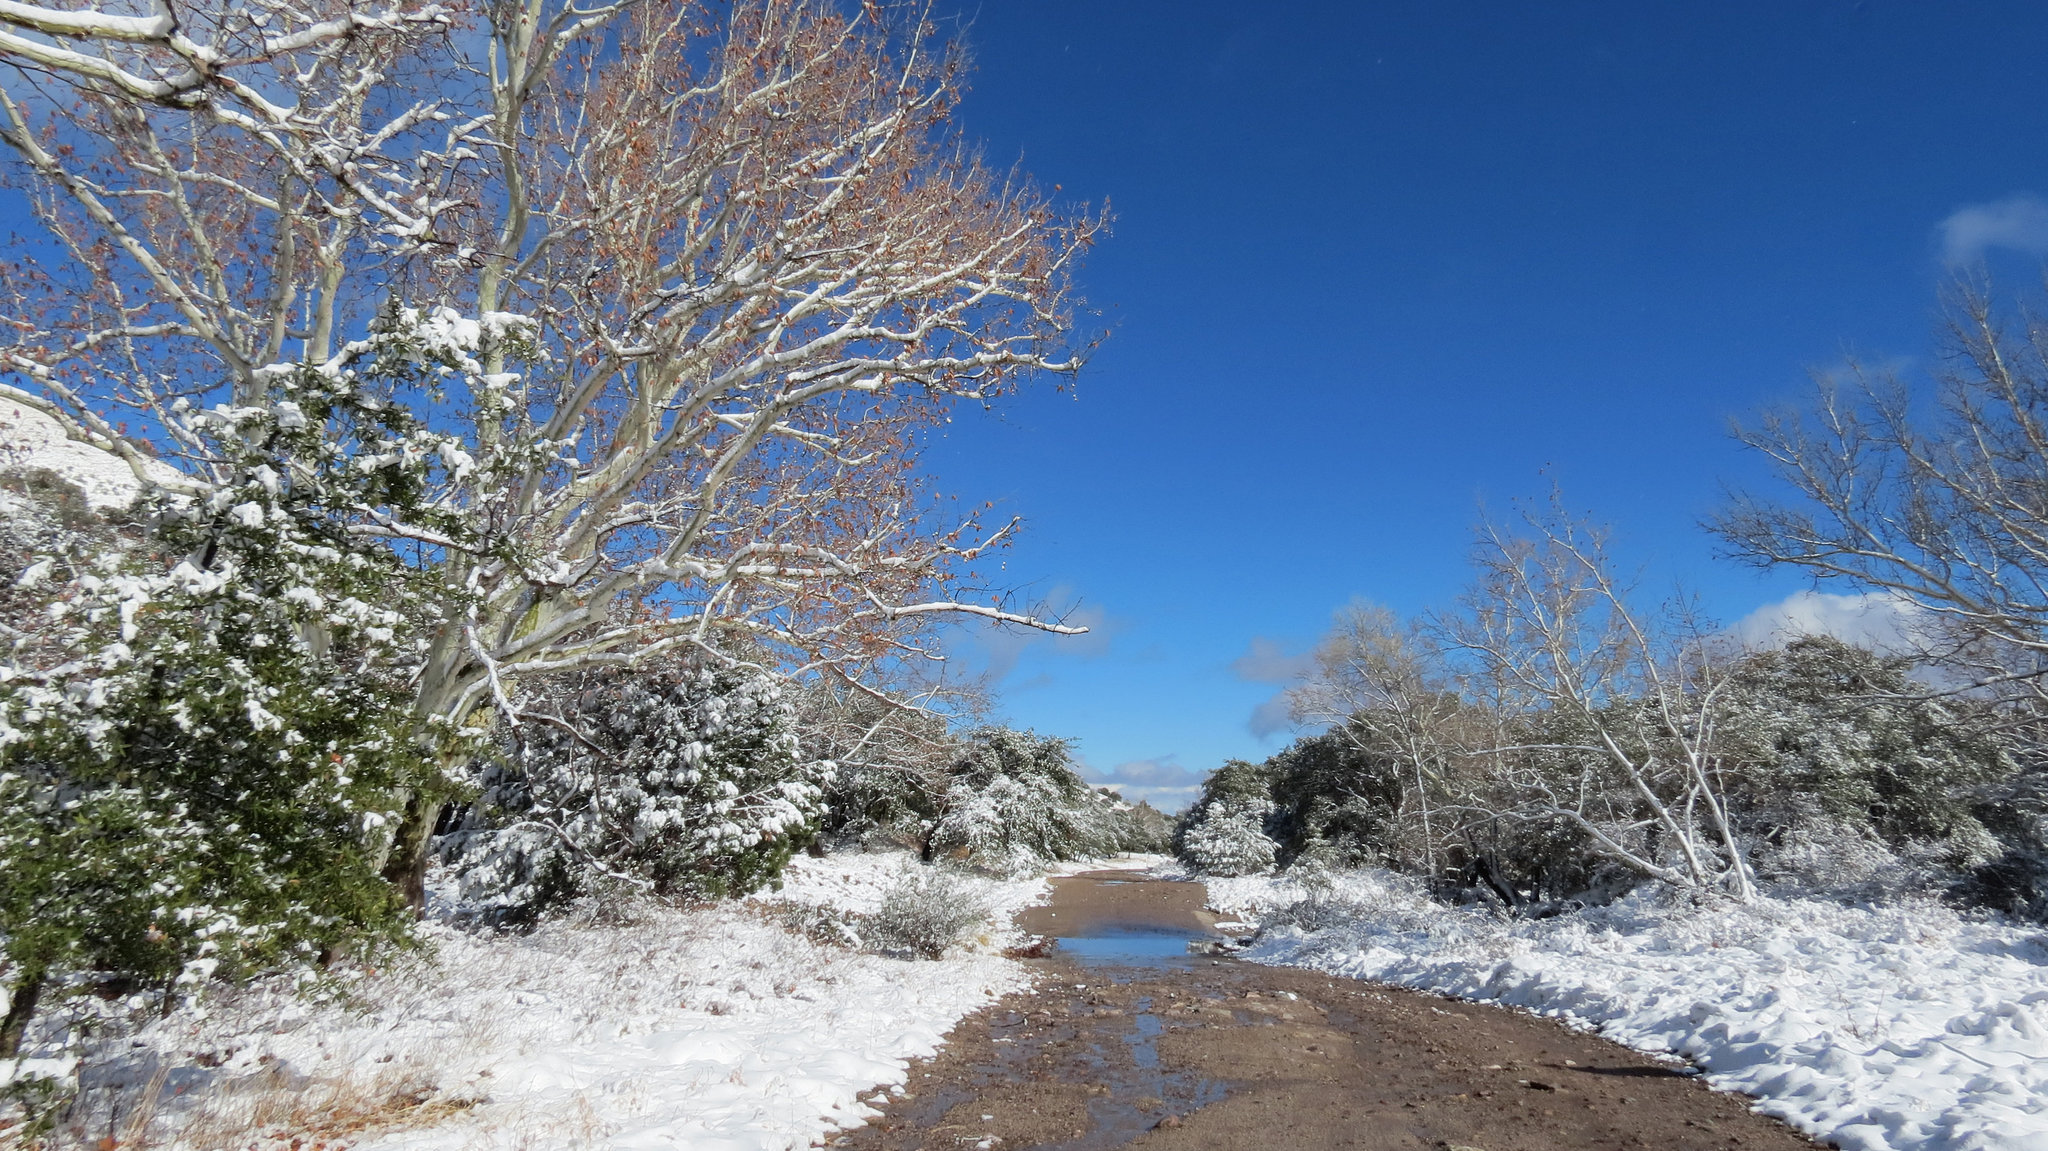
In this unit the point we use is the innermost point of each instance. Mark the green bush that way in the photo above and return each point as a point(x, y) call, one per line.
point(200, 747)
point(1828, 727)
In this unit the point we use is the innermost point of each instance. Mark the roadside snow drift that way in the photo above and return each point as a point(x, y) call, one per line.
point(737, 1026)
point(1880, 1028)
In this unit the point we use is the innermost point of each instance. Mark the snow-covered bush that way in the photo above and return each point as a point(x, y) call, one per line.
point(928, 910)
point(202, 736)
point(1334, 896)
point(1227, 836)
point(687, 782)
point(1835, 734)
point(1014, 802)
point(1811, 852)
point(2015, 880)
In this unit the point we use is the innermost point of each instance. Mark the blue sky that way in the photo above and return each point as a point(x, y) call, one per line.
point(1376, 264)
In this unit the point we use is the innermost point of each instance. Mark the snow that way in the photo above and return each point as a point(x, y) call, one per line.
point(727, 1027)
point(29, 440)
point(1881, 1028)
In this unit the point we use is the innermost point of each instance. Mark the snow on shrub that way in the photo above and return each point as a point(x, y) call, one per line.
point(1015, 803)
point(1837, 741)
point(203, 738)
point(1227, 837)
point(926, 911)
point(687, 782)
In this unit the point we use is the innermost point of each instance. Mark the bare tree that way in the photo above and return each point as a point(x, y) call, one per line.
point(1608, 721)
point(1379, 685)
point(1941, 500)
point(892, 743)
point(676, 288)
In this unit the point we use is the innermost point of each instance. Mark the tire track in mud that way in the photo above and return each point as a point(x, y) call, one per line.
point(1127, 1040)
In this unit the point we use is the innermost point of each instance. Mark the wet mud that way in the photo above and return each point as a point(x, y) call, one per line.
point(1132, 1038)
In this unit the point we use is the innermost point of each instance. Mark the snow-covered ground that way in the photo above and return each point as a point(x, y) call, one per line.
point(29, 439)
point(741, 1025)
point(1879, 1028)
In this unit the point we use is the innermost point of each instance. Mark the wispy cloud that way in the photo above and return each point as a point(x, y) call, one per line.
point(2018, 222)
point(1269, 661)
point(1274, 716)
point(1160, 781)
point(1877, 620)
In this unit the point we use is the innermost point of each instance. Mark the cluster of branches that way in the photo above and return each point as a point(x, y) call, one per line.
point(680, 287)
point(1550, 703)
point(1551, 740)
point(1937, 498)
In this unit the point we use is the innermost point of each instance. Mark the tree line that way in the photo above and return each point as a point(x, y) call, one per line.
point(1558, 738)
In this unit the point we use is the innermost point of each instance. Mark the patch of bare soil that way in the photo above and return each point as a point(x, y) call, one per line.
point(1185, 1052)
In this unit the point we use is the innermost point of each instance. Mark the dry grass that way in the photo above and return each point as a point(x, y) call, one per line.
point(265, 1110)
point(269, 1110)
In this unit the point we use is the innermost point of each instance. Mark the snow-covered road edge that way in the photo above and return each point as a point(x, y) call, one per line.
point(1879, 1028)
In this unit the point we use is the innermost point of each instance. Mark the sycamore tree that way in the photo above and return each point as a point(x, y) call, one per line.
point(1933, 497)
point(671, 290)
point(1379, 686)
point(1609, 718)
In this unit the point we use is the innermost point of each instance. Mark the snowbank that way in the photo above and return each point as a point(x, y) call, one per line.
point(738, 1026)
point(1880, 1028)
point(29, 440)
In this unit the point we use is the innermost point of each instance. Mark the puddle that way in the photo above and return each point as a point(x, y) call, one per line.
point(1123, 919)
point(1120, 929)
point(1132, 946)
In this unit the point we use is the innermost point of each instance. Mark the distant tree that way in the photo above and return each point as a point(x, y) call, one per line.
point(1135, 827)
point(1337, 793)
point(1382, 687)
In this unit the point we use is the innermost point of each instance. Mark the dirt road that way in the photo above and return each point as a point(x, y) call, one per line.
point(1130, 1041)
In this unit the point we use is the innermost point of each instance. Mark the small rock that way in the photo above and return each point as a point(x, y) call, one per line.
point(1170, 1121)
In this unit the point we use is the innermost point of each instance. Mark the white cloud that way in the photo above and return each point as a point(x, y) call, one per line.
point(1878, 620)
point(1272, 717)
point(1159, 781)
point(1268, 661)
point(2018, 222)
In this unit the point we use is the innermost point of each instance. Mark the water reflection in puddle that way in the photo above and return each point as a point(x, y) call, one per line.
point(1132, 947)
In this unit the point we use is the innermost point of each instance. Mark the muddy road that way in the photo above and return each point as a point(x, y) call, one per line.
point(1131, 1040)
